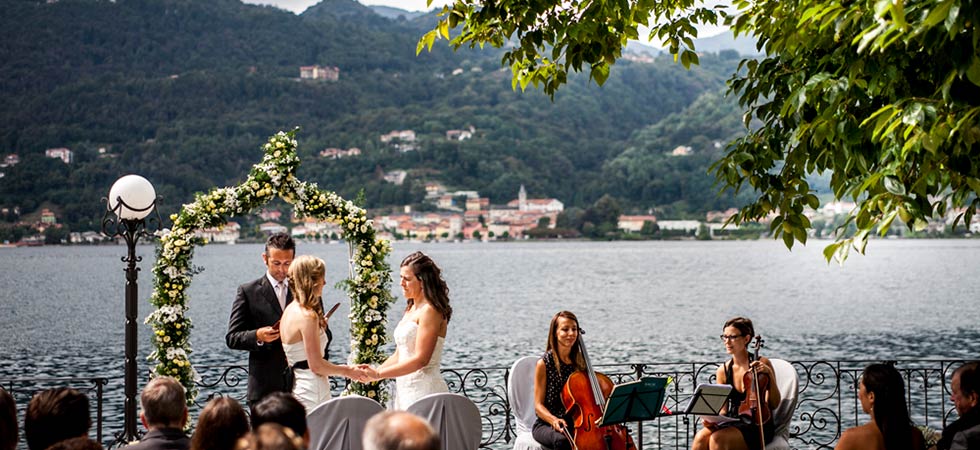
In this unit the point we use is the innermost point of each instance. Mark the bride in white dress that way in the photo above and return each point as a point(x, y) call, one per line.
point(420, 335)
point(303, 330)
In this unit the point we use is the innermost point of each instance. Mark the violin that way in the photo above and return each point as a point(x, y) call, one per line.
point(584, 397)
point(755, 409)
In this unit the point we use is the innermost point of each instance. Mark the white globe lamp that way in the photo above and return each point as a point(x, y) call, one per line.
point(137, 197)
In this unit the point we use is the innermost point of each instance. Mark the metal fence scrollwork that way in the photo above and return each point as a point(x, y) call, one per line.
point(827, 400)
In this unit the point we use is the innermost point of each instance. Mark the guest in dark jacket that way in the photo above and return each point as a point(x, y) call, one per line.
point(164, 416)
point(964, 434)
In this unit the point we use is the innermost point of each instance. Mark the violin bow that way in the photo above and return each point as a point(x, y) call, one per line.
point(568, 435)
point(758, 395)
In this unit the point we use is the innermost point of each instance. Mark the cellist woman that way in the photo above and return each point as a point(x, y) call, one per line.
point(737, 335)
point(561, 358)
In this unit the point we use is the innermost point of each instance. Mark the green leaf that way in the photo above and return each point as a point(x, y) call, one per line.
point(894, 186)
point(788, 240)
point(830, 250)
point(973, 72)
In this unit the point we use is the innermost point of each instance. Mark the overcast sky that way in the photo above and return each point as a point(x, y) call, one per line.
point(298, 6)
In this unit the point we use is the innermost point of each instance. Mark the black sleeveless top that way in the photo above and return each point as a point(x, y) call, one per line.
point(554, 383)
point(737, 397)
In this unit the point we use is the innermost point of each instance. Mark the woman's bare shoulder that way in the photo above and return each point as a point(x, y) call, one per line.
point(864, 437)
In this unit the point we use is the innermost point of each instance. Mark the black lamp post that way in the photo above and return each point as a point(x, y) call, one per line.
point(131, 199)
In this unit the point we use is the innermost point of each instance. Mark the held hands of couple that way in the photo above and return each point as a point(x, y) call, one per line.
point(364, 373)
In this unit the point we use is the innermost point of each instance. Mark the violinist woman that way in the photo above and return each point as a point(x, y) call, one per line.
point(561, 358)
point(737, 334)
point(882, 395)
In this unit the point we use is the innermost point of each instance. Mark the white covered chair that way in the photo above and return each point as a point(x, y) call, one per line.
point(520, 394)
point(787, 380)
point(455, 417)
point(338, 424)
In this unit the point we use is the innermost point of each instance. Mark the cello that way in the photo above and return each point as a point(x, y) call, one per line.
point(754, 409)
point(584, 397)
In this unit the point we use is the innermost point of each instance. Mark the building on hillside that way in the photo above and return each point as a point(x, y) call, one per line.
point(270, 214)
point(681, 150)
point(720, 216)
point(477, 203)
point(522, 203)
point(634, 224)
point(460, 135)
point(396, 177)
point(433, 189)
point(337, 153)
point(399, 135)
point(272, 228)
point(679, 225)
point(229, 233)
point(319, 73)
point(48, 217)
point(10, 160)
point(61, 153)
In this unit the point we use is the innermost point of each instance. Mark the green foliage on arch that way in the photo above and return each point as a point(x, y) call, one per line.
point(368, 289)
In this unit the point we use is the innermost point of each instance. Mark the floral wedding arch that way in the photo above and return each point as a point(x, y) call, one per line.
point(368, 286)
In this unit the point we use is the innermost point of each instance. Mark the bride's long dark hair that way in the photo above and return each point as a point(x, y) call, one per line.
point(434, 288)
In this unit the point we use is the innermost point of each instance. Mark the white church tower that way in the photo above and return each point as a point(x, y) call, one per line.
point(522, 199)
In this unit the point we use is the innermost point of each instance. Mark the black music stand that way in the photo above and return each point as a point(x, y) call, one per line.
point(708, 399)
point(635, 401)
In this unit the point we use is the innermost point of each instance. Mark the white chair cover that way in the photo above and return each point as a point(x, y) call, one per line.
point(787, 380)
point(338, 424)
point(455, 417)
point(520, 394)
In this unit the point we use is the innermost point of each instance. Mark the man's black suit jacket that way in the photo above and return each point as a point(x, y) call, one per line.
point(256, 306)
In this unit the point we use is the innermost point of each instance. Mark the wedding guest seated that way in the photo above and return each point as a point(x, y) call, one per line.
point(282, 408)
point(964, 433)
point(79, 443)
point(55, 415)
point(164, 415)
point(399, 430)
point(8, 421)
point(221, 423)
point(881, 391)
point(271, 436)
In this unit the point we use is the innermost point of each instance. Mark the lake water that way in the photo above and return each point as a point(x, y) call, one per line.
point(62, 308)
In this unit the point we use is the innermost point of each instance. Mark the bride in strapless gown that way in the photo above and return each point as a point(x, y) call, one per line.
point(422, 382)
point(420, 335)
point(303, 330)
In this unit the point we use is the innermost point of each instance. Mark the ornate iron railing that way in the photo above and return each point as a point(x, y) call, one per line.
point(827, 399)
point(23, 389)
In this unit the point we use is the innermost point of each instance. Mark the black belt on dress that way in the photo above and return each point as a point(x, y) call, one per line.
point(301, 365)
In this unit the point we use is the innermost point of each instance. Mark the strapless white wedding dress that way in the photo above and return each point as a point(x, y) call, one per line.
point(425, 381)
point(310, 389)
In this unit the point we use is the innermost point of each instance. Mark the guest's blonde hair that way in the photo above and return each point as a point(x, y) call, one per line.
point(304, 274)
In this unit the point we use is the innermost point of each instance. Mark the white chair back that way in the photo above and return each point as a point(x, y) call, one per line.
point(520, 394)
point(787, 380)
point(455, 417)
point(338, 424)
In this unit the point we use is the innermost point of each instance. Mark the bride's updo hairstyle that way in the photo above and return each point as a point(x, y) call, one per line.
point(433, 286)
point(304, 274)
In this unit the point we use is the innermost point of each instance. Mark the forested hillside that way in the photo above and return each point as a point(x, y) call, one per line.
point(184, 92)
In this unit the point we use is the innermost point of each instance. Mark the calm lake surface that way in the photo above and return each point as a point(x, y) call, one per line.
point(62, 308)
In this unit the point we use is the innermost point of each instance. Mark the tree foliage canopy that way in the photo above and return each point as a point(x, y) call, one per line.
point(882, 94)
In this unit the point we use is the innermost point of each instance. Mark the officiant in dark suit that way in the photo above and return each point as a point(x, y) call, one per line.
point(254, 322)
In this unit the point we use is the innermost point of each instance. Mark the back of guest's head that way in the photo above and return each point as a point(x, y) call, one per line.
point(79, 443)
point(164, 403)
point(8, 421)
point(55, 415)
point(434, 287)
point(742, 324)
point(221, 423)
point(281, 408)
point(271, 436)
point(967, 387)
point(399, 430)
point(888, 405)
